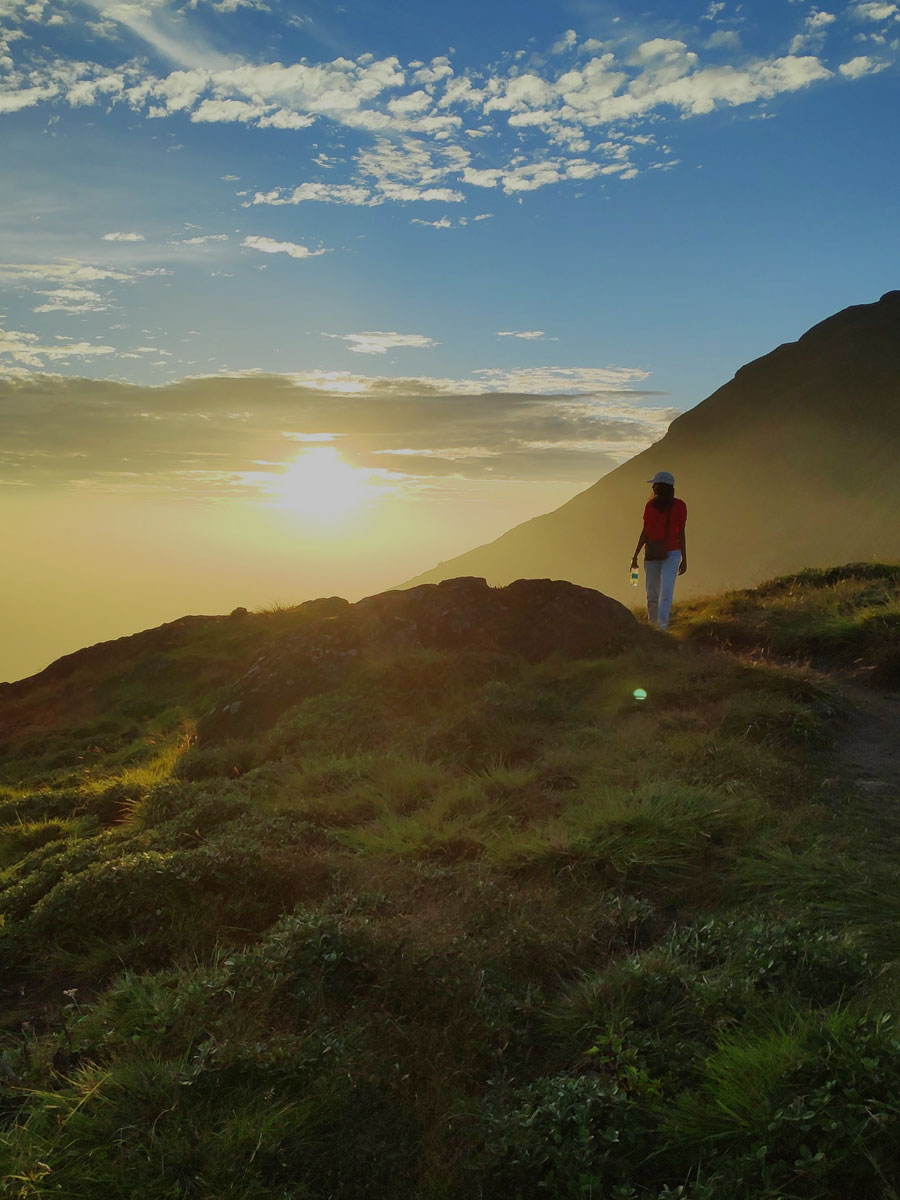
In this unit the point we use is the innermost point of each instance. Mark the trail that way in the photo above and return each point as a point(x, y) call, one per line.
point(865, 763)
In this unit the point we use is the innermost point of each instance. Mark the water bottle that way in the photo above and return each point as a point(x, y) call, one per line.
point(635, 575)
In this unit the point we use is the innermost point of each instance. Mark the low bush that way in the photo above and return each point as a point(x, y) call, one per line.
point(811, 1109)
point(16, 840)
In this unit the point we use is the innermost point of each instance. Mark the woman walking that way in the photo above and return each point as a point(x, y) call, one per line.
point(666, 550)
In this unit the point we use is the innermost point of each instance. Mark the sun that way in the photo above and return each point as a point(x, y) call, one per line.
point(320, 483)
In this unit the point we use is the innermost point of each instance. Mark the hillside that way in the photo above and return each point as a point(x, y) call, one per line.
point(460, 892)
point(790, 464)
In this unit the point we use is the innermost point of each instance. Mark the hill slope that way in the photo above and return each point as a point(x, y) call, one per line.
point(477, 915)
point(789, 465)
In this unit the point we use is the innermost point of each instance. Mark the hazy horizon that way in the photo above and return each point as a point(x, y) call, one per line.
point(303, 302)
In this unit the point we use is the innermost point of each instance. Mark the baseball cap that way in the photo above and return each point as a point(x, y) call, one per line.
point(663, 477)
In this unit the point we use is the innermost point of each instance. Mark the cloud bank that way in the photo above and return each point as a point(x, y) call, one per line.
point(207, 437)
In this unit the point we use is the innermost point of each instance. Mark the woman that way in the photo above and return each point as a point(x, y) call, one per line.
point(666, 554)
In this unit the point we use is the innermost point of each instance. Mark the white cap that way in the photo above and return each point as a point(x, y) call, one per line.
point(663, 477)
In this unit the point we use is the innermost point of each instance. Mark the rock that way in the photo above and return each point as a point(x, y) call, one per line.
point(531, 618)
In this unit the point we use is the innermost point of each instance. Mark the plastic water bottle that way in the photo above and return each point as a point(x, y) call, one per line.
point(635, 575)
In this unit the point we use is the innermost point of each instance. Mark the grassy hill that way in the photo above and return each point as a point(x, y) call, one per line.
point(463, 924)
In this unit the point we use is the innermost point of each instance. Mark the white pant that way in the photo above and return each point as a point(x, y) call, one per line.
point(660, 575)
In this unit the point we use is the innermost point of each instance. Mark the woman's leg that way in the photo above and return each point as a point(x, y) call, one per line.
point(668, 574)
point(653, 578)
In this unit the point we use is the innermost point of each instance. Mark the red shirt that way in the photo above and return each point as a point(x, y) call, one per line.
point(655, 523)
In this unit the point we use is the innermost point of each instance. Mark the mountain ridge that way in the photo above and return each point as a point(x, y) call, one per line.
point(801, 445)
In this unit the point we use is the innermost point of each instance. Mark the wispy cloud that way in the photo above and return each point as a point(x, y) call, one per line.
point(72, 300)
point(267, 245)
point(375, 342)
point(528, 335)
point(201, 239)
point(230, 6)
point(73, 284)
point(123, 237)
point(72, 270)
point(28, 350)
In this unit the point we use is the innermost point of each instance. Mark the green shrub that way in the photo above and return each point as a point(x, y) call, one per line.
point(41, 806)
point(223, 760)
point(776, 954)
point(809, 1110)
point(19, 839)
point(570, 1137)
point(159, 901)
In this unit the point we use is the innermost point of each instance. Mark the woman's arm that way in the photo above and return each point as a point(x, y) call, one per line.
point(642, 540)
point(683, 566)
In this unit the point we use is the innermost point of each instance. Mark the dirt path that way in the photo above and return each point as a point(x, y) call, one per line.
point(865, 764)
point(869, 746)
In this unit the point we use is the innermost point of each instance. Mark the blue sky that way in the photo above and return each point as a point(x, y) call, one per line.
point(476, 244)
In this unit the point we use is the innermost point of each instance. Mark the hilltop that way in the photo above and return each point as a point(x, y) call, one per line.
point(459, 892)
point(790, 464)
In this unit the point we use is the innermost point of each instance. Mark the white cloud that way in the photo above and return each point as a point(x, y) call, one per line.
point(419, 149)
point(72, 300)
point(566, 42)
point(283, 118)
point(411, 169)
point(70, 271)
point(374, 342)
point(229, 110)
point(439, 69)
point(565, 380)
point(530, 335)
point(230, 6)
point(18, 98)
point(410, 104)
point(862, 65)
point(26, 348)
point(123, 237)
point(874, 10)
point(442, 223)
point(334, 193)
point(813, 34)
point(103, 29)
point(482, 177)
point(268, 245)
point(202, 239)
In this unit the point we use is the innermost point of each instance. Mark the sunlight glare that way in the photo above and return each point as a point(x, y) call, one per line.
point(320, 483)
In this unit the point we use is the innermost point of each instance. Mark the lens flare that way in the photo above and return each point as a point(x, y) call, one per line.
point(639, 694)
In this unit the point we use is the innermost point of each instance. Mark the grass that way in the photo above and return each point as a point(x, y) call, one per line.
point(846, 617)
point(467, 927)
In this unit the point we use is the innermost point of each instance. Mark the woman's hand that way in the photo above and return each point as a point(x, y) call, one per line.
point(634, 563)
point(682, 566)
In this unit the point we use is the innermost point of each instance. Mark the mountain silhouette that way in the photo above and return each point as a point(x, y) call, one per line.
point(791, 464)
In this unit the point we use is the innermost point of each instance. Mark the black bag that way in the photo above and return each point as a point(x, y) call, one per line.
point(655, 549)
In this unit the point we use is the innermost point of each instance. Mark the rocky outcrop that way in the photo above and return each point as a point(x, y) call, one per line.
point(532, 618)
